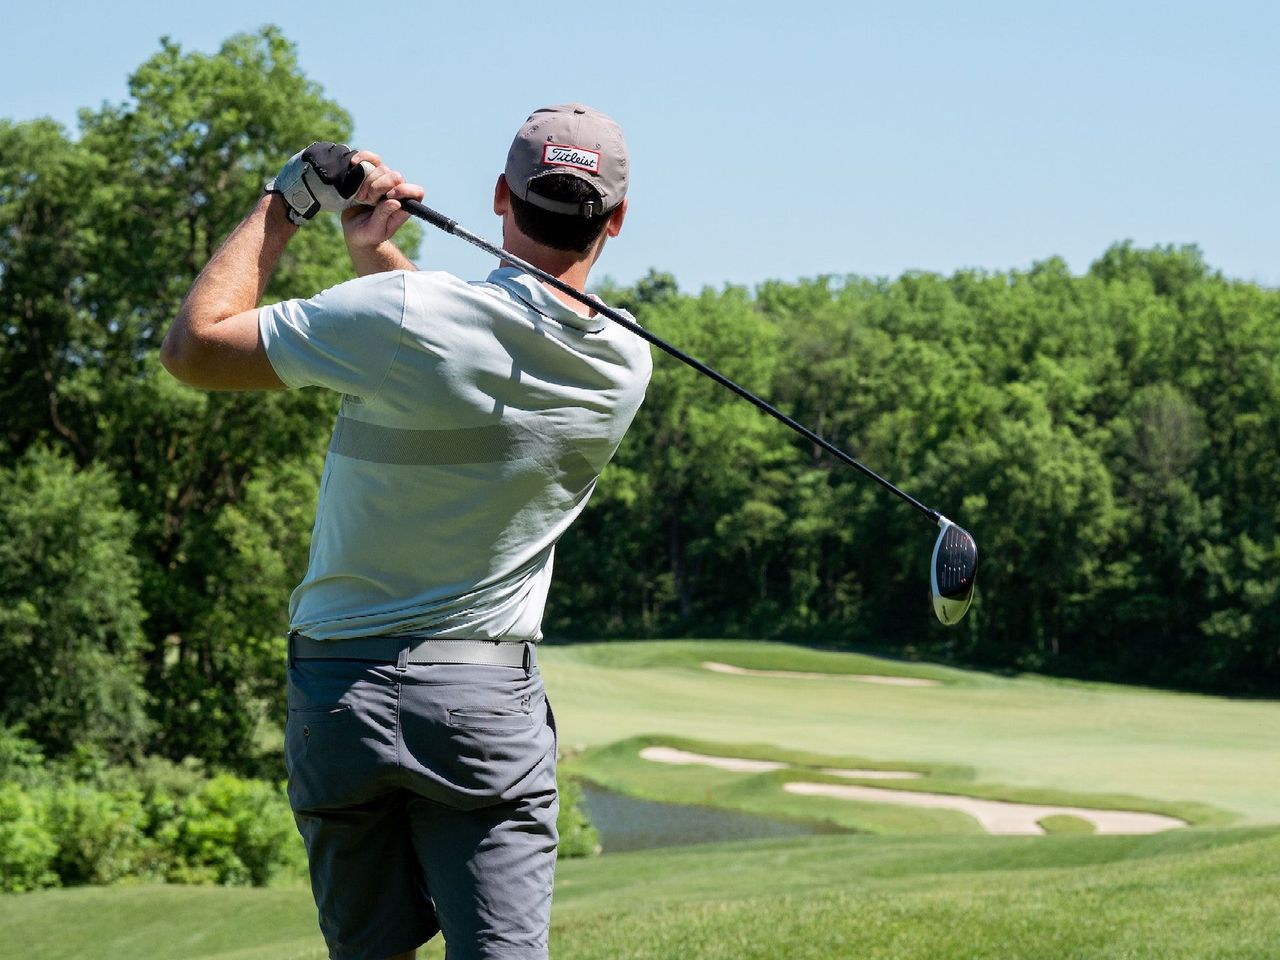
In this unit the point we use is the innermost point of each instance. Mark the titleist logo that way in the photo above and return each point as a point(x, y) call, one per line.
point(559, 155)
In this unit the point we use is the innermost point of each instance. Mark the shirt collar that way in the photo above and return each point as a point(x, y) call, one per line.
point(532, 292)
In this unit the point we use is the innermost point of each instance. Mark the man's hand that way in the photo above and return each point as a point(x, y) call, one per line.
point(373, 221)
point(378, 216)
point(321, 177)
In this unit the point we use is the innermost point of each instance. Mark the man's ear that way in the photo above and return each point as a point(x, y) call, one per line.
point(501, 196)
point(614, 226)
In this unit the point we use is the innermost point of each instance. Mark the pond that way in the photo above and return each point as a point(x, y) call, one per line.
point(625, 823)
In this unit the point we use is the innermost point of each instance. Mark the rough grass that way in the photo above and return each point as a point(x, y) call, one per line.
point(946, 901)
point(1188, 894)
point(1065, 823)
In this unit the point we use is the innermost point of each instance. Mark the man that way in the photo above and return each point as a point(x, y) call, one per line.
point(475, 419)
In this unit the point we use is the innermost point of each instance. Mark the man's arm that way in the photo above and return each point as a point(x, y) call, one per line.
point(381, 258)
point(214, 342)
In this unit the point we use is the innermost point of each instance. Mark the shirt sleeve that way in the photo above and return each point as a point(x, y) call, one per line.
point(345, 338)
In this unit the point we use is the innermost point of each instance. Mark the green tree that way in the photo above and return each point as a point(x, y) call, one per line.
point(88, 285)
point(702, 470)
point(70, 621)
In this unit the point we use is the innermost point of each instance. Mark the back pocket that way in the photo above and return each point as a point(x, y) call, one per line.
point(305, 725)
point(490, 719)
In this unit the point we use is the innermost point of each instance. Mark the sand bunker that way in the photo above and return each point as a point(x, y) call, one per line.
point(683, 757)
point(805, 675)
point(740, 765)
point(996, 816)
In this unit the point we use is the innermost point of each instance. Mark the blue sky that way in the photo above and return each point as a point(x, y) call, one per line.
point(780, 140)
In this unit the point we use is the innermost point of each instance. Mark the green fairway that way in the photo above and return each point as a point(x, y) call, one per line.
point(1030, 733)
point(915, 884)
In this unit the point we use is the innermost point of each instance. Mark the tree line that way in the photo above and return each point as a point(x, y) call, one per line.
point(1111, 439)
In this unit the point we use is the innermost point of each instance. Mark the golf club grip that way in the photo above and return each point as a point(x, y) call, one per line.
point(438, 219)
point(433, 217)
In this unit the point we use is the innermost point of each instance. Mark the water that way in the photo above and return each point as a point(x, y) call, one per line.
point(626, 823)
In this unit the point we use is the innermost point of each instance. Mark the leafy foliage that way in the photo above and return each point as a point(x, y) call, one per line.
point(160, 821)
point(164, 821)
point(87, 288)
point(27, 846)
point(578, 838)
point(70, 621)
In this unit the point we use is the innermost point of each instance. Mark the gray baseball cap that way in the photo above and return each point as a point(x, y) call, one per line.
point(574, 139)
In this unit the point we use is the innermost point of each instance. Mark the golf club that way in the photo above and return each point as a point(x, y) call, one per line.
point(955, 553)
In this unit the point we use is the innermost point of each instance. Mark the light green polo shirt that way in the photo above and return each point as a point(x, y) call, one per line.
point(474, 422)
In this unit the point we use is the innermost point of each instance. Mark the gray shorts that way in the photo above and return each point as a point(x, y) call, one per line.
point(427, 800)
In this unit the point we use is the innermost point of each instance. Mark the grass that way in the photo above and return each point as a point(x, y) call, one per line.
point(1027, 733)
point(1053, 898)
point(1065, 823)
point(1190, 894)
point(932, 890)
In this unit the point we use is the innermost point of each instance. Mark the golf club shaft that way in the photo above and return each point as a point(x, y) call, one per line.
point(439, 220)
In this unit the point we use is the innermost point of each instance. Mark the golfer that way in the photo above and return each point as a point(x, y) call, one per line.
point(475, 419)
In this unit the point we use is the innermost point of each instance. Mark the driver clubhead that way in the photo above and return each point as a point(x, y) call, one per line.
point(952, 572)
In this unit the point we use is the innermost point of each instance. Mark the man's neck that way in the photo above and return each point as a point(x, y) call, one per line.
point(570, 268)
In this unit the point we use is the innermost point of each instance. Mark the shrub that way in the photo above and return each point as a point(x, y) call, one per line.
point(578, 838)
point(157, 821)
point(27, 847)
point(232, 831)
point(100, 835)
point(167, 821)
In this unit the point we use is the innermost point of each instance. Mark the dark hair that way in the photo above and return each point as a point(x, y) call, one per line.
point(560, 231)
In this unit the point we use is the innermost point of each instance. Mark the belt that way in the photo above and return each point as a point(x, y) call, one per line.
point(505, 653)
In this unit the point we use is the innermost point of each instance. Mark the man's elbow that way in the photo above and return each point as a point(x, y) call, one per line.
point(224, 355)
point(179, 352)
point(173, 352)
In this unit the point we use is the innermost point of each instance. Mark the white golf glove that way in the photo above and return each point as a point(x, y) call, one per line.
point(320, 177)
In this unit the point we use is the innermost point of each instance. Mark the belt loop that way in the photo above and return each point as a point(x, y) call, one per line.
point(289, 657)
point(528, 659)
point(402, 659)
